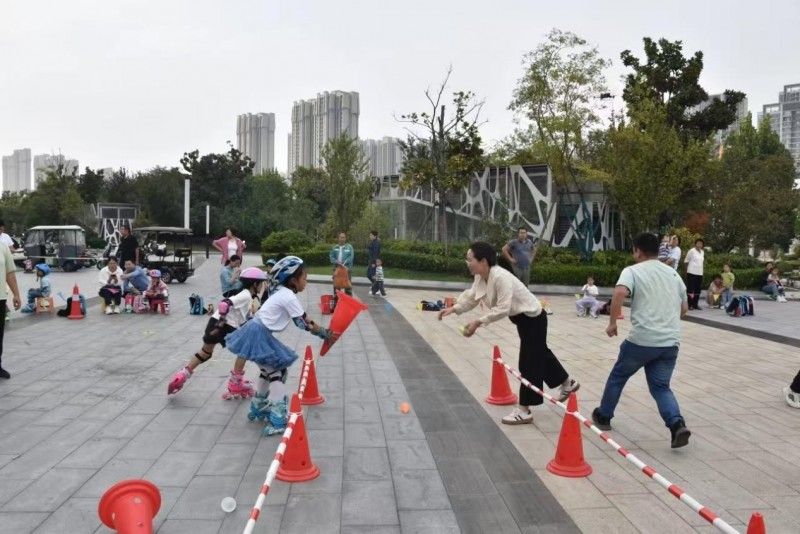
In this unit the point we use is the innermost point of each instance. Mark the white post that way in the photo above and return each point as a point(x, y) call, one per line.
point(186, 203)
point(208, 217)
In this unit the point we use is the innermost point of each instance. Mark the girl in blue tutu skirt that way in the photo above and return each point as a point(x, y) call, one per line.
point(255, 342)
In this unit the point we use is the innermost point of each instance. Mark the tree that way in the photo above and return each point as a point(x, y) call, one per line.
point(558, 93)
point(91, 186)
point(56, 200)
point(672, 80)
point(216, 180)
point(14, 213)
point(443, 152)
point(159, 193)
point(120, 187)
point(309, 184)
point(265, 206)
point(344, 163)
point(752, 197)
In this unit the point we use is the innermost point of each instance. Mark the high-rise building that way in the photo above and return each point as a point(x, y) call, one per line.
point(315, 122)
point(255, 136)
point(785, 119)
point(741, 115)
point(43, 162)
point(17, 171)
point(384, 156)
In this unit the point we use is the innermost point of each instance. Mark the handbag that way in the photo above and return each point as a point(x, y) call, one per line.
point(341, 278)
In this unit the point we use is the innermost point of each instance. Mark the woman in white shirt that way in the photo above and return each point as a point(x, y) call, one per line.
point(505, 296)
point(694, 273)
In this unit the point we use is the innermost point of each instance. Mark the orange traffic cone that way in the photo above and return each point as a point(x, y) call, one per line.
point(75, 305)
point(130, 506)
point(756, 525)
point(569, 461)
point(501, 392)
point(311, 395)
point(297, 465)
point(346, 310)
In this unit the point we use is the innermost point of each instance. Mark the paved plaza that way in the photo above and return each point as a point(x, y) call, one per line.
point(87, 407)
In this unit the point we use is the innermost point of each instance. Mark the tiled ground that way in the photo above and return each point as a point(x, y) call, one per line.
point(744, 453)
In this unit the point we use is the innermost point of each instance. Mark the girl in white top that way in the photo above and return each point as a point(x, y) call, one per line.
point(110, 285)
point(694, 273)
point(589, 299)
point(505, 296)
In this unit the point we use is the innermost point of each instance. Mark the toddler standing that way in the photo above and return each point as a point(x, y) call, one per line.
point(377, 284)
point(728, 278)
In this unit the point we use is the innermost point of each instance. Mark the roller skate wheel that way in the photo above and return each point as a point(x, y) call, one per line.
point(251, 416)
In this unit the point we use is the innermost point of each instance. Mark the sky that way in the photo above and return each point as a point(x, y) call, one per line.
point(136, 83)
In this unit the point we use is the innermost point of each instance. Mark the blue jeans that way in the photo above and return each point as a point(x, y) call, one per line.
point(727, 295)
point(770, 289)
point(34, 294)
point(658, 363)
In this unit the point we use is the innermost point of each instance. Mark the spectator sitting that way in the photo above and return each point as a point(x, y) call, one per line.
point(134, 279)
point(766, 287)
point(229, 277)
point(715, 292)
point(774, 278)
point(111, 285)
point(158, 290)
point(589, 299)
point(44, 289)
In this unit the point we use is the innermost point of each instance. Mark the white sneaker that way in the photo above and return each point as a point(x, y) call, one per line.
point(109, 311)
point(518, 417)
point(593, 315)
point(116, 309)
point(792, 398)
point(572, 387)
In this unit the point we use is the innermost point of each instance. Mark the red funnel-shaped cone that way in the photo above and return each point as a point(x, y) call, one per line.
point(347, 308)
point(75, 304)
point(297, 465)
point(311, 395)
point(130, 506)
point(756, 525)
point(501, 392)
point(569, 461)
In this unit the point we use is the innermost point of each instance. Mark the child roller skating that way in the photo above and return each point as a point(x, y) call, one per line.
point(255, 342)
point(230, 315)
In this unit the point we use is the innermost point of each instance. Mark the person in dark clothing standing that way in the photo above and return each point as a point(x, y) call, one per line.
point(374, 248)
point(128, 246)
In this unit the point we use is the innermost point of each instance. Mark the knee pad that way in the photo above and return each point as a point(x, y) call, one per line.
point(274, 376)
point(200, 357)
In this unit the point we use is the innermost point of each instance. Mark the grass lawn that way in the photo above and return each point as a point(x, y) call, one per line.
point(398, 274)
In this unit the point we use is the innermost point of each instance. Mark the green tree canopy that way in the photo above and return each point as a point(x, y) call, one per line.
point(344, 165)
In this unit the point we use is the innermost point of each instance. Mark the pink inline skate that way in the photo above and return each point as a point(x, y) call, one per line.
point(179, 380)
point(238, 387)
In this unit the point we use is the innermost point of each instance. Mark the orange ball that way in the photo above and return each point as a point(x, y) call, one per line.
point(405, 407)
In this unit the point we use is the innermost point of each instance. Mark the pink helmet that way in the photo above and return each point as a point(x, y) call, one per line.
point(155, 273)
point(253, 273)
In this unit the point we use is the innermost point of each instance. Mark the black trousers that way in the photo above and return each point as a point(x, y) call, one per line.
point(694, 285)
point(2, 328)
point(537, 363)
point(794, 387)
point(110, 296)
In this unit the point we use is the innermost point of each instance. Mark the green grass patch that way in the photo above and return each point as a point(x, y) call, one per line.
point(397, 274)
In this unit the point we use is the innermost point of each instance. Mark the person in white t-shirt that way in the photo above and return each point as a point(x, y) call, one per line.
point(5, 238)
point(589, 299)
point(694, 273)
point(255, 341)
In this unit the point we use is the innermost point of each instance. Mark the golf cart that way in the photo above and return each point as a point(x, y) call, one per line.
point(168, 249)
point(57, 246)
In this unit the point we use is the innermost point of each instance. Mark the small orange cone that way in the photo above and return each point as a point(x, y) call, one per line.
point(501, 392)
point(311, 395)
point(346, 310)
point(569, 461)
point(297, 465)
point(130, 506)
point(756, 525)
point(75, 305)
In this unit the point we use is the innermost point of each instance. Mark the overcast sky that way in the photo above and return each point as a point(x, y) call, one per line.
point(136, 83)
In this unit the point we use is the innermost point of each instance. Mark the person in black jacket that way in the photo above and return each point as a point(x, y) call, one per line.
point(766, 287)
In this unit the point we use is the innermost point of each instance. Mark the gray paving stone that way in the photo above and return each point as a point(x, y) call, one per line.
point(227, 459)
point(410, 454)
point(20, 522)
point(316, 512)
point(175, 468)
point(94, 453)
point(111, 473)
point(125, 426)
point(251, 486)
point(172, 418)
point(399, 427)
point(148, 445)
point(465, 476)
point(369, 463)
point(196, 438)
point(483, 513)
point(50, 491)
point(11, 488)
point(269, 520)
point(202, 497)
point(25, 438)
point(107, 410)
point(321, 443)
point(75, 515)
point(429, 522)
point(328, 481)
point(358, 412)
point(364, 435)
point(190, 526)
point(370, 529)
point(324, 417)
point(368, 503)
point(449, 444)
point(420, 490)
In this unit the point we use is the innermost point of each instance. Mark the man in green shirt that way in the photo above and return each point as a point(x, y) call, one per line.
point(658, 301)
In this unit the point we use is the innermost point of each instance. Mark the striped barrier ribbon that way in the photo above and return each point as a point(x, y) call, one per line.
point(279, 453)
point(678, 493)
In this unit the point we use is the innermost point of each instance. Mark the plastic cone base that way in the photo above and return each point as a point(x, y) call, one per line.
point(311, 397)
point(756, 525)
point(347, 308)
point(130, 506)
point(569, 460)
point(297, 465)
point(75, 304)
point(501, 393)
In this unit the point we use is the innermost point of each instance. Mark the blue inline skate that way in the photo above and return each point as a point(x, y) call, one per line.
point(259, 408)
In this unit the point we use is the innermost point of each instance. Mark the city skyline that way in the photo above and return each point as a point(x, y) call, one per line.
point(159, 99)
point(784, 116)
point(255, 138)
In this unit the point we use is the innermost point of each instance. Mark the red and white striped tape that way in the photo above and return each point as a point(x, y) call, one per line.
point(704, 512)
point(279, 453)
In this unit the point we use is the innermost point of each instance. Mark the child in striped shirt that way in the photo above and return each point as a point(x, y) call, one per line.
point(377, 284)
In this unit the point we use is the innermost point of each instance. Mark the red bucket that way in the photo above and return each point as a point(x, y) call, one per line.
point(325, 304)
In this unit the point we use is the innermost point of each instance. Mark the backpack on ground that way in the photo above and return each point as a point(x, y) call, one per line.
point(196, 305)
point(747, 303)
point(605, 309)
point(734, 307)
point(426, 305)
